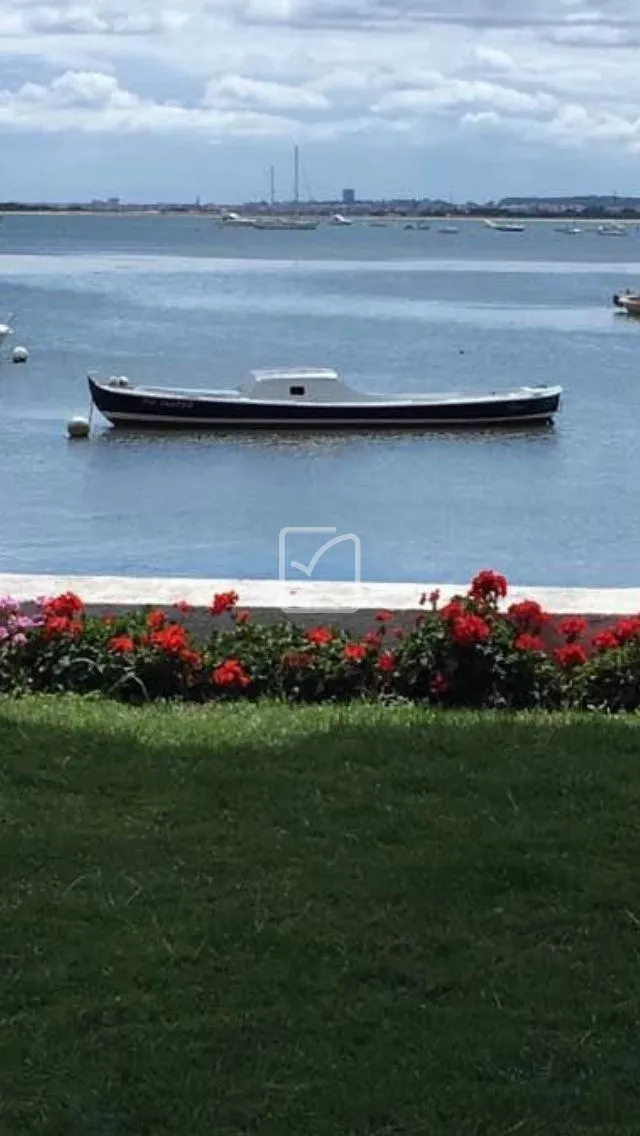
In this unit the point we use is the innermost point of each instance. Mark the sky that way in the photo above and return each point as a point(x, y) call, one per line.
point(168, 100)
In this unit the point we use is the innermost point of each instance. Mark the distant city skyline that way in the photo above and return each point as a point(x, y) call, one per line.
point(174, 99)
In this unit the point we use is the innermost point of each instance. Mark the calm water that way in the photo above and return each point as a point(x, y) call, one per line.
point(179, 300)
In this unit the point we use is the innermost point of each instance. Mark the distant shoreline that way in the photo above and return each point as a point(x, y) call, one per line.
point(408, 218)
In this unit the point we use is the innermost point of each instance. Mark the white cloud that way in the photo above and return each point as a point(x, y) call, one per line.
point(559, 72)
point(239, 91)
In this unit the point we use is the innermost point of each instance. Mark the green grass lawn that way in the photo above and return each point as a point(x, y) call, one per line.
point(347, 922)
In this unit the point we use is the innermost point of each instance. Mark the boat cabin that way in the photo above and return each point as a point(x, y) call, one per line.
point(300, 384)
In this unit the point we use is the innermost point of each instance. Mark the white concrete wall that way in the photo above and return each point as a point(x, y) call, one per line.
point(329, 598)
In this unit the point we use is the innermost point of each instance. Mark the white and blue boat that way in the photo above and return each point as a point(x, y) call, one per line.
point(313, 398)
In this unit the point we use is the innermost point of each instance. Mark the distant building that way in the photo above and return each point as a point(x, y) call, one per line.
point(348, 197)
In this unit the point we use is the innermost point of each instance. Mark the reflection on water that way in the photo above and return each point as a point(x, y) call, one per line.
point(310, 440)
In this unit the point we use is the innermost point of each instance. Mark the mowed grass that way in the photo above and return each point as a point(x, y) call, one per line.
point(346, 922)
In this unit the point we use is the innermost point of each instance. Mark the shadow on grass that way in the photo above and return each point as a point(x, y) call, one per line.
point(332, 921)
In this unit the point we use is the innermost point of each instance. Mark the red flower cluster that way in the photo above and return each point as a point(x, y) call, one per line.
point(373, 639)
point(605, 641)
point(58, 625)
point(122, 645)
point(488, 587)
point(223, 601)
point(572, 627)
point(526, 642)
point(627, 629)
point(355, 652)
point(528, 616)
point(570, 656)
point(387, 662)
point(173, 639)
point(453, 610)
point(66, 606)
point(432, 599)
point(63, 615)
point(183, 607)
point(384, 616)
point(243, 617)
point(156, 620)
point(231, 673)
point(467, 630)
point(320, 636)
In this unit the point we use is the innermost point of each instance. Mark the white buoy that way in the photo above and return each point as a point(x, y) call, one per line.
point(78, 428)
point(19, 355)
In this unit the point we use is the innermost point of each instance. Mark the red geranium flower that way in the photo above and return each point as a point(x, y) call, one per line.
point(223, 601)
point(243, 616)
point(320, 636)
point(526, 642)
point(67, 605)
point(570, 656)
point(183, 607)
point(58, 625)
point(467, 630)
point(572, 627)
point(172, 639)
point(605, 641)
point(439, 685)
point(488, 586)
point(627, 629)
point(191, 658)
point(231, 673)
point(387, 661)
point(122, 645)
point(373, 639)
point(528, 615)
point(156, 620)
point(398, 633)
point(432, 599)
point(355, 652)
point(452, 610)
point(384, 616)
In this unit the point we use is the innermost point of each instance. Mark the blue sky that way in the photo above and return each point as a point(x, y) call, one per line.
point(170, 99)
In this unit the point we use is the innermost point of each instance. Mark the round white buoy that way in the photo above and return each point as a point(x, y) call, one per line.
point(19, 355)
point(78, 428)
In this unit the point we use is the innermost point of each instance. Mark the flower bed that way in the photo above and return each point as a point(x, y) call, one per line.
point(475, 651)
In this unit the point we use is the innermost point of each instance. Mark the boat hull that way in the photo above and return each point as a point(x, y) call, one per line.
point(131, 408)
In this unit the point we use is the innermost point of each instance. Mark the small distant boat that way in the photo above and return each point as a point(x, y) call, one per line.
point(313, 398)
point(628, 302)
point(569, 230)
point(612, 230)
point(232, 220)
point(450, 230)
point(340, 219)
point(504, 226)
point(237, 220)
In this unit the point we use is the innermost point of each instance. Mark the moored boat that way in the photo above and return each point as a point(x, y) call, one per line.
point(628, 302)
point(504, 226)
point(315, 398)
